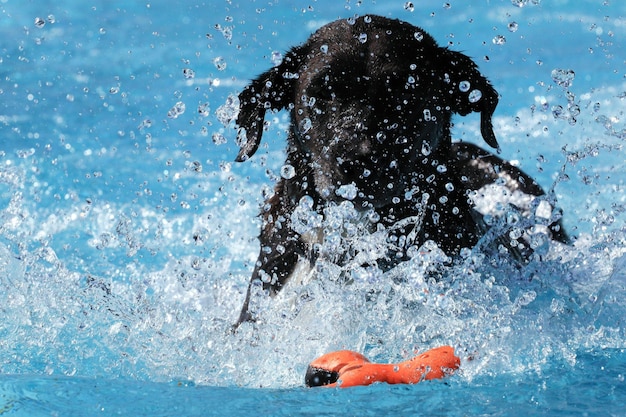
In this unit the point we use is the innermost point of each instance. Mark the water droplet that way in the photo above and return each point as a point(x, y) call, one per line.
point(526, 298)
point(276, 58)
point(324, 49)
point(475, 96)
point(347, 191)
point(51, 18)
point(177, 110)
point(304, 218)
point(189, 73)
point(367, 19)
point(219, 63)
point(227, 31)
point(287, 171)
point(146, 123)
point(409, 6)
point(225, 166)
point(464, 86)
point(25, 153)
point(203, 109)
point(563, 77)
point(105, 240)
point(39, 22)
point(363, 37)
point(442, 168)
point(499, 40)
point(229, 110)
point(114, 90)
point(427, 116)
point(419, 36)
point(305, 125)
point(513, 26)
point(196, 166)
point(218, 138)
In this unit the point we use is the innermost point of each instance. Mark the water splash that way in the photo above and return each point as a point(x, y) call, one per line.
point(154, 292)
point(174, 322)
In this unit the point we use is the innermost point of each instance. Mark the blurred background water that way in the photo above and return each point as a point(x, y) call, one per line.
point(128, 234)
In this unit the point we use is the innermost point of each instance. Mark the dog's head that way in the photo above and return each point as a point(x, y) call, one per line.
point(370, 100)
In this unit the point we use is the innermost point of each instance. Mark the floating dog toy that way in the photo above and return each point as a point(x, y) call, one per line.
point(346, 368)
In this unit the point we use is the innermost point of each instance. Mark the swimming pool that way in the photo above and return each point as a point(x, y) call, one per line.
point(127, 234)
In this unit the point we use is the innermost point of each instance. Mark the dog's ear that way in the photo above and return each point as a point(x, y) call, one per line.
point(274, 90)
point(472, 92)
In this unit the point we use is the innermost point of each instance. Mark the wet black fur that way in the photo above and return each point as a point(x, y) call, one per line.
point(371, 102)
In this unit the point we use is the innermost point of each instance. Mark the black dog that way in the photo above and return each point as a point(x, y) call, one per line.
point(371, 101)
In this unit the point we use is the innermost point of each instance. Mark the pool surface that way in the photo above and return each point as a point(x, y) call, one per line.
point(128, 233)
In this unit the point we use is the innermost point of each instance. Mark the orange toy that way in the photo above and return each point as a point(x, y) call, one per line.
point(346, 368)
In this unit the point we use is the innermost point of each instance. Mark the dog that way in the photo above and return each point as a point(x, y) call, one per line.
point(371, 101)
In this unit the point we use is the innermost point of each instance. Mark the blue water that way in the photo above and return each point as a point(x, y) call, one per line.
point(127, 235)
